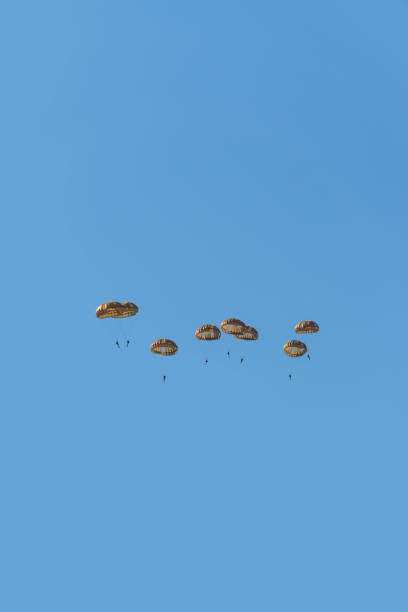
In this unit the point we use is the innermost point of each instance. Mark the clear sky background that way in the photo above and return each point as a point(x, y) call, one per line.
point(205, 160)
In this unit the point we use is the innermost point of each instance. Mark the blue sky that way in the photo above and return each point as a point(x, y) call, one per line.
point(204, 160)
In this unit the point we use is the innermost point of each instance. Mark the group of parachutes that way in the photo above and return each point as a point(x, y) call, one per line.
point(207, 332)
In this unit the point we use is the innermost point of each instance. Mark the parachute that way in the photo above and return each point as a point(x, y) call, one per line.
point(248, 333)
point(164, 347)
point(116, 310)
point(307, 327)
point(208, 332)
point(232, 326)
point(295, 348)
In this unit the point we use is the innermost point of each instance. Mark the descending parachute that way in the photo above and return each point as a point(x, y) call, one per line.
point(307, 327)
point(116, 310)
point(232, 326)
point(295, 348)
point(248, 333)
point(208, 332)
point(164, 347)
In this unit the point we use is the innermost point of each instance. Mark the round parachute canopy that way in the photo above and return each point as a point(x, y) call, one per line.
point(248, 333)
point(232, 326)
point(164, 347)
point(295, 348)
point(208, 332)
point(307, 327)
point(116, 310)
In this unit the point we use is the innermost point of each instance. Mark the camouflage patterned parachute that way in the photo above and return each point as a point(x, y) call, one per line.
point(116, 310)
point(248, 333)
point(208, 332)
point(164, 347)
point(233, 326)
point(307, 327)
point(295, 348)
